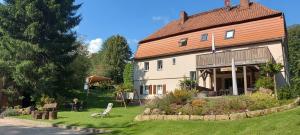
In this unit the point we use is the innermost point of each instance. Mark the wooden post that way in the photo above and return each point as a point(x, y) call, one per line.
point(215, 79)
point(245, 79)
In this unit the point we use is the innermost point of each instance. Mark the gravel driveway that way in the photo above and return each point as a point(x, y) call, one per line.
point(11, 127)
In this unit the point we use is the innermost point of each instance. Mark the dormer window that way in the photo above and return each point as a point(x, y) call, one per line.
point(229, 34)
point(204, 37)
point(183, 42)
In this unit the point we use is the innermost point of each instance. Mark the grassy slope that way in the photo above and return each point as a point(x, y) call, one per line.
point(121, 122)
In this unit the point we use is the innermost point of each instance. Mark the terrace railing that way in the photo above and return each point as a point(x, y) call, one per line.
point(251, 56)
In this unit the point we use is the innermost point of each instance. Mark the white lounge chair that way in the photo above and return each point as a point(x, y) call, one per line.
point(105, 112)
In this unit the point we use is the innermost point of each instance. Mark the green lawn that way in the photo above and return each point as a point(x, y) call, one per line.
point(121, 122)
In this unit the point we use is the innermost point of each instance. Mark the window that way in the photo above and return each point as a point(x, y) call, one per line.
point(204, 37)
point(183, 42)
point(193, 75)
point(159, 89)
point(174, 61)
point(159, 65)
point(146, 90)
point(229, 34)
point(146, 66)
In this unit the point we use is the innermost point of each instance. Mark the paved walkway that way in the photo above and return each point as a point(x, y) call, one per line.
point(15, 127)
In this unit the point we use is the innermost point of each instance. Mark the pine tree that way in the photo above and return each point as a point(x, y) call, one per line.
point(37, 43)
point(115, 55)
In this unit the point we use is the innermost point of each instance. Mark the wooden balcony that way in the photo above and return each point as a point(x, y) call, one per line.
point(250, 56)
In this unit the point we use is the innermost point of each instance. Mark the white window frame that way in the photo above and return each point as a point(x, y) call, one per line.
point(159, 68)
point(145, 89)
point(229, 34)
point(159, 90)
point(204, 35)
point(174, 61)
point(146, 69)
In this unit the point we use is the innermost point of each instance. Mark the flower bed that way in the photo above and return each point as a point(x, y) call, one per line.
point(212, 117)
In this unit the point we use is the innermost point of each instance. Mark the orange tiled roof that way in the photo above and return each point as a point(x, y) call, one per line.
point(253, 24)
point(213, 18)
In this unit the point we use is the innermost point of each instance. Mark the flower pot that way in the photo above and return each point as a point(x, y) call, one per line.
point(52, 115)
point(45, 115)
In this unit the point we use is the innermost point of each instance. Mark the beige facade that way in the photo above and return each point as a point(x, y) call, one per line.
point(172, 73)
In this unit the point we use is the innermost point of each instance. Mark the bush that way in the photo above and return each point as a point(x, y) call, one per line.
point(265, 82)
point(10, 112)
point(182, 96)
point(198, 102)
point(290, 92)
point(262, 101)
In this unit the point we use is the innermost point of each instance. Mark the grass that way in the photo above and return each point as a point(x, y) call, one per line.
point(121, 122)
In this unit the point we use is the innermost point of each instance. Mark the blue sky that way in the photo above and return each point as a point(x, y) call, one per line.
point(136, 19)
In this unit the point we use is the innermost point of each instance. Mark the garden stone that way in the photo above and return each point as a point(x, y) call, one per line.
point(209, 117)
point(222, 117)
point(252, 114)
point(236, 116)
point(171, 117)
point(147, 111)
point(156, 111)
point(138, 118)
point(152, 117)
point(183, 117)
point(196, 117)
point(160, 117)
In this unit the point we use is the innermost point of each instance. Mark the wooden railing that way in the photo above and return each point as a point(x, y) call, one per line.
point(250, 56)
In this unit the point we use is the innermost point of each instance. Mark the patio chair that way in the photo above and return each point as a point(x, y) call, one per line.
point(105, 112)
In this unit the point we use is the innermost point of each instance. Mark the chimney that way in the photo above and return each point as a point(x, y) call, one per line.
point(244, 4)
point(227, 4)
point(183, 17)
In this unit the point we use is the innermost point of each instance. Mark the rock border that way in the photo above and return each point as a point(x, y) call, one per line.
point(233, 116)
point(62, 126)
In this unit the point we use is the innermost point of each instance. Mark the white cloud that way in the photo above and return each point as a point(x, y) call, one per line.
point(133, 41)
point(95, 45)
point(163, 19)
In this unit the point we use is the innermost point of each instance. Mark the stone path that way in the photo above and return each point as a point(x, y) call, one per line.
point(16, 127)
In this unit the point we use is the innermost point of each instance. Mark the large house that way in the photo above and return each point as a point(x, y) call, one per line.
point(249, 33)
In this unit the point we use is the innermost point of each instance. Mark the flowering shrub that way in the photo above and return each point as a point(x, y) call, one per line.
point(182, 102)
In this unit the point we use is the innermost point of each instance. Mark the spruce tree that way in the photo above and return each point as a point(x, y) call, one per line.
point(37, 43)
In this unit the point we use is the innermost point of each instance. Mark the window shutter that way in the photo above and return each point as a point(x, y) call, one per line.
point(164, 89)
point(141, 90)
point(150, 89)
point(154, 89)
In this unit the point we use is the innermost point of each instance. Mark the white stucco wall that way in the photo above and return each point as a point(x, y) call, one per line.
point(171, 74)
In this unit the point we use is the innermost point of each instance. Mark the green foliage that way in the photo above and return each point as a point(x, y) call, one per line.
point(128, 75)
point(270, 69)
point(290, 91)
point(115, 55)
point(262, 101)
point(180, 102)
point(294, 49)
point(10, 112)
point(37, 44)
point(264, 82)
point(12, 95)
point(182, 96)
point(187, 84)
point(78, 69)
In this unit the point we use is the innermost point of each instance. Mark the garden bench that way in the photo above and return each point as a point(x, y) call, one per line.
point(51, 106)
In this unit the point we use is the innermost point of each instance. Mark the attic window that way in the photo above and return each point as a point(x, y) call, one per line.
point(229, 34)
point(204, 37)
point(183, 42)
